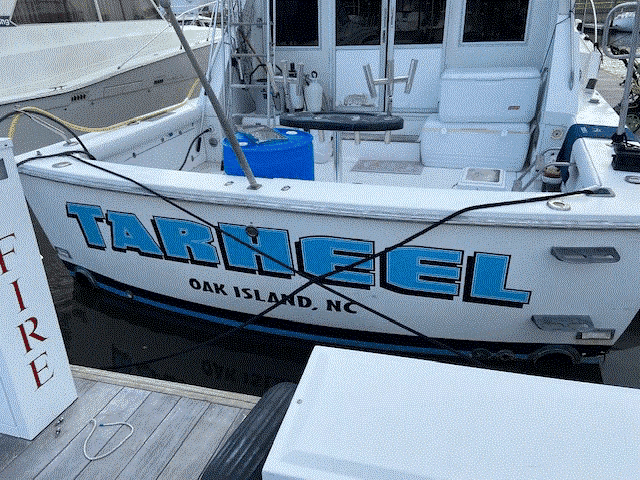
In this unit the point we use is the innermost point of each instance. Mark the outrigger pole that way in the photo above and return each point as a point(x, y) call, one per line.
point(630, 69)
point(229, 131)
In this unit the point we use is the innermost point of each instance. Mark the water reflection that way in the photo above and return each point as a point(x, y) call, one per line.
point(104, 331)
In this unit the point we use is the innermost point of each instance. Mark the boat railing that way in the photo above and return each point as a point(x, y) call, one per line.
point(595, 19)
point(629, 57)
point(212, 24)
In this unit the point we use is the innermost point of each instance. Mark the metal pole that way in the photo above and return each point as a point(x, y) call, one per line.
point(229, 131)
point(624, 107)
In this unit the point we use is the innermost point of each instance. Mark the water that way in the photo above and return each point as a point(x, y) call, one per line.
point(105, 331)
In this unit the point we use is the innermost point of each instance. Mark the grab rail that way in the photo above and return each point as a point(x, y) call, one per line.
point(630, 57)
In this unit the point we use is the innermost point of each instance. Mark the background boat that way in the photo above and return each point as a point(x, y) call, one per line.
point(91, 63)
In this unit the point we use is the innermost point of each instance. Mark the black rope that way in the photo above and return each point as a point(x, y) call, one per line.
point(438, 343)
point(311, 278)
point(68, 153)
point(186, 157)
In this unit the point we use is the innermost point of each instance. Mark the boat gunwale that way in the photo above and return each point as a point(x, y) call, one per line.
point(232, 191)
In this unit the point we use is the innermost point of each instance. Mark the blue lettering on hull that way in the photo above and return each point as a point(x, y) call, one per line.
point(237, 256)
point(128, 233)
point(321, 255)
point(407, 270)
point(487, 280)
point(88, 217)
point(422, 271)
point(186, 241)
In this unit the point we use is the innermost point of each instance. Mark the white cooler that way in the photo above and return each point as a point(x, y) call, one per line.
point(489, 94)
point(484, 145)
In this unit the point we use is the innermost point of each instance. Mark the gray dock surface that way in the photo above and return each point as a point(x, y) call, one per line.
point(177, 429)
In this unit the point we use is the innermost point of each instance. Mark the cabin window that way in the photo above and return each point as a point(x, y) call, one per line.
point(419, 22)
point(57, 11)
point(113, 10)
point(297, 23)
point(54, 11)
point(358, 22)
point(495, 20)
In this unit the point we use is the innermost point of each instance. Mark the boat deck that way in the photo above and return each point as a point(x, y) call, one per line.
point(177, 429)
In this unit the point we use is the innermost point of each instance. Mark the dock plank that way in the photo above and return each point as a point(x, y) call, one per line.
point(11, 447)
point(218, 397)
point(177, 429)
point(199, 446)
point(165, 440)
point(71, 460)
point(47, 445)
point(242, 414)
point(145, 420)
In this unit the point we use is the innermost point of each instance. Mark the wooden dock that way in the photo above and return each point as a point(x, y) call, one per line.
point(177, 429)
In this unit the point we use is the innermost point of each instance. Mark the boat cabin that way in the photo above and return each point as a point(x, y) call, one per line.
point(478, 94)
point(462, 48)
point(478, 84)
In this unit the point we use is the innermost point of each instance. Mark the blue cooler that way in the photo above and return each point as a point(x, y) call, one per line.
point(290, 155)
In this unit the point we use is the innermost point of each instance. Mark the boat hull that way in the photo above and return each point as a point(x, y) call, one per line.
point(116, 98)
point(467, 285)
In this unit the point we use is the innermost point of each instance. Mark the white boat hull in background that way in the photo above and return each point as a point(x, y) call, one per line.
point(97, 74)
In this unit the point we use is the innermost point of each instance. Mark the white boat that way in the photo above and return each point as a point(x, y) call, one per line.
point(93, 63)
point(497, 218)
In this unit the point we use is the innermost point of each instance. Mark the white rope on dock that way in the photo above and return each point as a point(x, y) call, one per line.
point(93, 428)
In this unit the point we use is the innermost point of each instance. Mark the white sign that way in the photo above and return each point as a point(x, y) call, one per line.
point(35, 379)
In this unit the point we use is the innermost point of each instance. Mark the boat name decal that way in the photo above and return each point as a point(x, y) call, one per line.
point(409, 270)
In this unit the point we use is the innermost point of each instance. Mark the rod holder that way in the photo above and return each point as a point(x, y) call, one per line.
point(389, 81)
point(412, 73)
point(371, 83)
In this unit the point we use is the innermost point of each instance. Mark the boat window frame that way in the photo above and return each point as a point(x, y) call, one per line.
point(526, 33)
point(423, 3)
point(40, 15)
point(92, 8)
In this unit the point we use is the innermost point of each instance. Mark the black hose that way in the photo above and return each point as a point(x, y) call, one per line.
point(186, 157)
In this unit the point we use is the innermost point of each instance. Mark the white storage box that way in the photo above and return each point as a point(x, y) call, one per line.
point(358, 415)
point(489, 95)
point(486, 145)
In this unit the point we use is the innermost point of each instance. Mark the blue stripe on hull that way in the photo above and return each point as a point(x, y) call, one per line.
point(170, 304)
